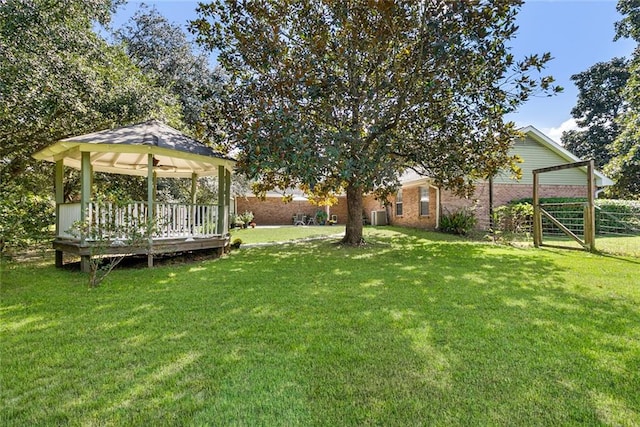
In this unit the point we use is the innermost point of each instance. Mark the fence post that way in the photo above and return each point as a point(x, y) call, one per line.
point(590, 214)
point(537, 219)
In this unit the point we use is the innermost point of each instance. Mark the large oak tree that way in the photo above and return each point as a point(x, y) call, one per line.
point(344, 95)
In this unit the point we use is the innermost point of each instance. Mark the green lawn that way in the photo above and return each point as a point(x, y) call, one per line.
point(415, 328)
point(284, 233)
point(614, 245)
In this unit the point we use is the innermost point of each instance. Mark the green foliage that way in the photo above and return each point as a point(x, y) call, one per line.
point(513, 218)
point(460, 222)
point(624, 167)
point(246, 217)
point(600, 103)
point(163, 52)
point(59, 78)
point(25, 218)
point(321, 216)
point(345, 95)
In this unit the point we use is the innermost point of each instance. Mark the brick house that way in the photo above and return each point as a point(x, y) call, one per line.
point(419, 202)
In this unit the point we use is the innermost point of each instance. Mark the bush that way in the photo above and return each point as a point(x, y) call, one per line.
point(513, 218)
point(246, 217)
point(25, 219)
point(459, 222)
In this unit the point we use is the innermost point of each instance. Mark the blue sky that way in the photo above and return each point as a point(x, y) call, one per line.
point(578, 33)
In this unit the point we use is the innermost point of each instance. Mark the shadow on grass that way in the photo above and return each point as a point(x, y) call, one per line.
point(414, 328)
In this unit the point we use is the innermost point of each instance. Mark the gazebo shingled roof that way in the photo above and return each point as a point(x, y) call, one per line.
point(124, 150)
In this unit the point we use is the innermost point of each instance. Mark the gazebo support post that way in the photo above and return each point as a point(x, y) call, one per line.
point(227, 200)
point(194, 192)
point(150, 196)
point(85, 198)
point(221, 199)
point(194, 187)
point(59, 190)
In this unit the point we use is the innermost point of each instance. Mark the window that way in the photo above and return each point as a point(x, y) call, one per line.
point(399, 203)
point(424, 201)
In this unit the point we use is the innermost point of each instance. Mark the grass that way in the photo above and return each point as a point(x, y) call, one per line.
point(607, 244)
point(416, 328)
point(283, 233)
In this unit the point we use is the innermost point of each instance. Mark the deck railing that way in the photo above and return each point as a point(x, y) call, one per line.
point(170, 220)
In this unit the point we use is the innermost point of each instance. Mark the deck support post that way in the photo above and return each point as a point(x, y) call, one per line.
point(85, 264)
point(59, 191)
point(150, 196)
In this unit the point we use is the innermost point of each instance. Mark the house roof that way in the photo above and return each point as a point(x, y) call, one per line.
point(125, 150)
point(410, 177)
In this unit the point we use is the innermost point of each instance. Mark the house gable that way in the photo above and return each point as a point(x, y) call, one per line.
point(539, 151)
point(536, 156)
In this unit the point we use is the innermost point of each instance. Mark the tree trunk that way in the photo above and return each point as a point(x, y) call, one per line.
point(353, 233)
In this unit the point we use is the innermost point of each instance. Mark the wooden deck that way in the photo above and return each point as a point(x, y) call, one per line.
point(158, 247)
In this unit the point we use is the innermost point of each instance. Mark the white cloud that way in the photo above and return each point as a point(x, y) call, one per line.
point(556, 132)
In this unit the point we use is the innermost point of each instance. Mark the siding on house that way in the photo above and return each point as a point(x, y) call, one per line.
point(536, 156)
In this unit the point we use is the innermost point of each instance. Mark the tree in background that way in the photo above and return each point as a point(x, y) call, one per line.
point(624, 166)
point(59, 78)
point(165, 54)
point(346, 95)
point(163, 51)
point(600, 103)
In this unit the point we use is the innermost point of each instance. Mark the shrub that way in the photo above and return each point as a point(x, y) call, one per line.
point(460, 222)
point(513, 218)
point(236, 243)
point(25, 219)
point(246, 217)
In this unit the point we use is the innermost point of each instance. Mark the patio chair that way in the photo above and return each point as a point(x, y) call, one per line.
point(298, 219)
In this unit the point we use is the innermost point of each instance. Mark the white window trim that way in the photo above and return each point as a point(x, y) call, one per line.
point(420, 201)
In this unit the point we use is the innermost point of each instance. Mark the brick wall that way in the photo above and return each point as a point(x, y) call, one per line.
point(411, 209)
point(273, 211)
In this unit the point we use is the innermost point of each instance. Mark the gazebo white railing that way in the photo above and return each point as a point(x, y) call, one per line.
point(170, 220)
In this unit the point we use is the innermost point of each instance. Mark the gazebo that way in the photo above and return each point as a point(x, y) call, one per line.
point(151, 149)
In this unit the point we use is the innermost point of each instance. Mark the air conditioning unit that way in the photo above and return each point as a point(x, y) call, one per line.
point(378, 217)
